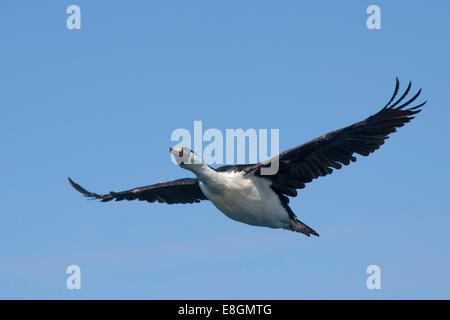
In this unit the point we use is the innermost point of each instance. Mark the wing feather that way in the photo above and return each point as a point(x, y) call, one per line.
point(184, 190)
point(318, 157)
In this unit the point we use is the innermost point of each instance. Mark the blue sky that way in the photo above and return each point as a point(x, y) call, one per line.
point(99, 104)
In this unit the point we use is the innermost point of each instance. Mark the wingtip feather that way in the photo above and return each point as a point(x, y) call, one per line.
point(80, 189)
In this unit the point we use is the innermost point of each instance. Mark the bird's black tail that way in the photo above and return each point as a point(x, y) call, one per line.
point(298, 226)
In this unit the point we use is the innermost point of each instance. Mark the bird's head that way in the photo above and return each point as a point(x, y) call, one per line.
point(185, 157)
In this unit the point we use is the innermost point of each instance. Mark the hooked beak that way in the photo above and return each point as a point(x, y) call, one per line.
point(175, 150)
point(176, 154)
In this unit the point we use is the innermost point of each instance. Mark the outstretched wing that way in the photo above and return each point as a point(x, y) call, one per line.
point(177, 191)
point(318, 157)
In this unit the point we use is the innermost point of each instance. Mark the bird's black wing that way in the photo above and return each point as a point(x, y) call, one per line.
point(177, 191)
point(318, 157)
point(234, 168)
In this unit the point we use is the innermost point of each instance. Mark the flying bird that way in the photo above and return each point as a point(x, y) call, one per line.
point(244, 194)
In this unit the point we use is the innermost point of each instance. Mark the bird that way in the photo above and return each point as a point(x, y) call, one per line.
point(243, 193)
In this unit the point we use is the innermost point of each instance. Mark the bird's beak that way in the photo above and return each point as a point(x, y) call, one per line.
point(176, 154)
point(175, 150)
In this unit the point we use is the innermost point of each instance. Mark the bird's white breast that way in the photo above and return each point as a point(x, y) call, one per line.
point(246, 198)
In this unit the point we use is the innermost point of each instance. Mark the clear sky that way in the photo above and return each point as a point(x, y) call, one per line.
point(99, 105)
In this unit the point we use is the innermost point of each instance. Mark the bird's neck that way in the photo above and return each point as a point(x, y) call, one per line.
point(205, 173)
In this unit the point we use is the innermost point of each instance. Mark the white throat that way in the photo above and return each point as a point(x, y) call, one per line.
point(205, 173)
